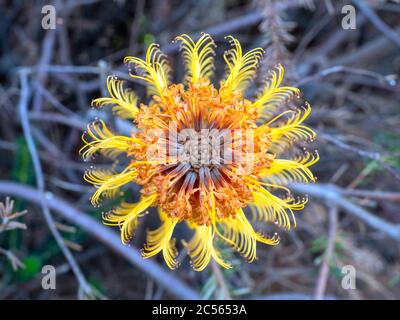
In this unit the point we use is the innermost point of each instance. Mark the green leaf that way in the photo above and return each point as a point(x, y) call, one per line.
point(33, 265)
point(319, 245)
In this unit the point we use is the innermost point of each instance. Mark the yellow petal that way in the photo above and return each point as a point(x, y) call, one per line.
point(198, 56)
point(273, 95)
point(156, 71)
point(284, 171)
point(241, 67)
point(270, 208)
point(239, 233)
point(160, 240)
point(124, 101)
point(291, 130)
point(103, 140)
point(126, 216)
point(107, 182)
point(201, 248)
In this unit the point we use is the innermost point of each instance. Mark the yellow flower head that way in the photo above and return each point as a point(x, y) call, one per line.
point(203, 155)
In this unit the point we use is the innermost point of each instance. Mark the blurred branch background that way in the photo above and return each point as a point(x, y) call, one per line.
point(49, 77)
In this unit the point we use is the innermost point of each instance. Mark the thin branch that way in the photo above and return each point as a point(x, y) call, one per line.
point(332, 194)
point(324, 269)
point(372, 194)
point(339, 143)
point(384, 80)
point(73, 121)
point(74, 69)
point(15, 262)
point(293, 4)
point(235, 24)
point(54, 101)
point(220, 280)
point(47, 54)
point(376, 156)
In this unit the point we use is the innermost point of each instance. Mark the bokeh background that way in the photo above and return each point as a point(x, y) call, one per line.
point(349, 76)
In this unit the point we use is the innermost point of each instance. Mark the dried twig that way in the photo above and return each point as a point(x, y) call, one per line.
point(74, 121)
point(7, 222)
point(373, 194)
point(376, 156)
point(384, 80)
point(233, 25)
point(47, 53)
point(221, 280)
point(333, 194)
point(8, 217)
point(362, 153)
point(15, 262)
point(324, 269)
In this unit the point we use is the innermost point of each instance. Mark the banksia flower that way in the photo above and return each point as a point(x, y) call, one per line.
point(207, 157)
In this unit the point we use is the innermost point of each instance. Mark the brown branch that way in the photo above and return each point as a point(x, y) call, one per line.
point(47, 54)
point(333, 195)
point(376, 156)
point(383, 80)
point(220, 280)
point(341, 144)
point(373, 194)
point(324, 269)
point(73, 121)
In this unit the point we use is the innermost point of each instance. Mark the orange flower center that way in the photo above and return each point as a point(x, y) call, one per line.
point(206, 140)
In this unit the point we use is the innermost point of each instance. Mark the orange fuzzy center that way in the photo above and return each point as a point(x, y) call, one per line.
point(201, 146)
